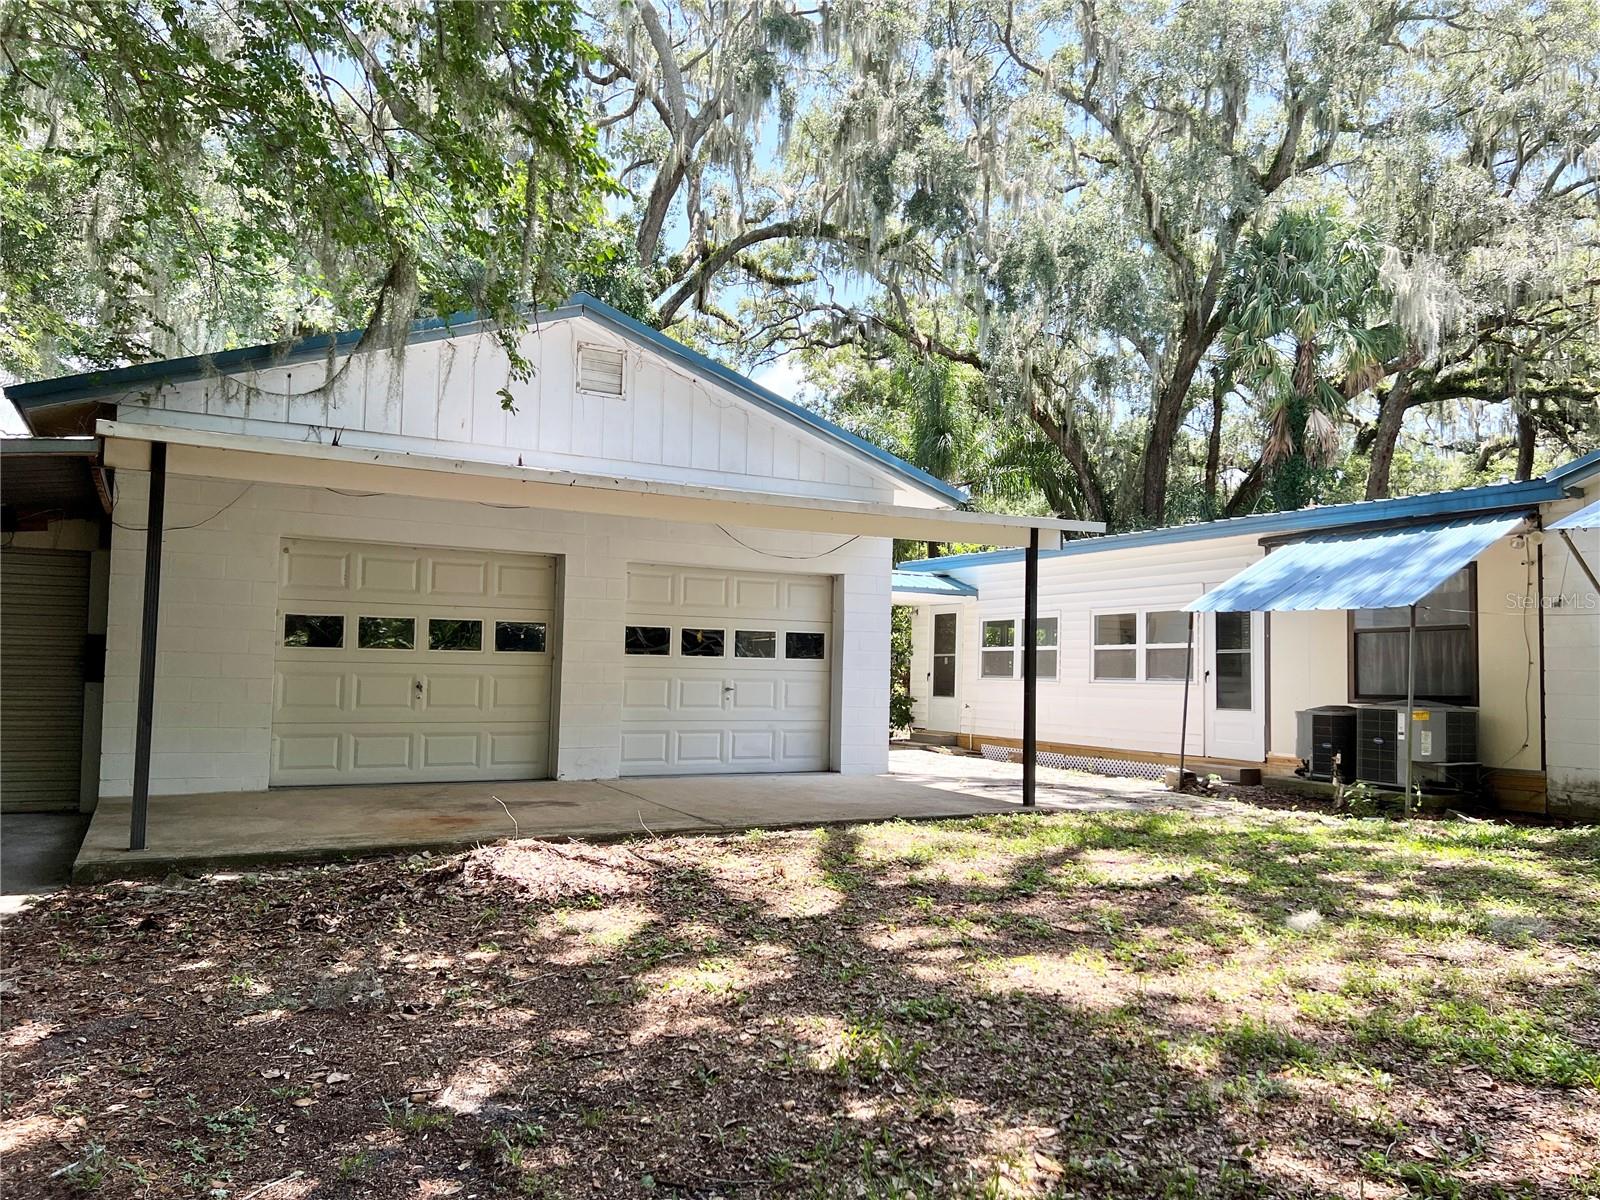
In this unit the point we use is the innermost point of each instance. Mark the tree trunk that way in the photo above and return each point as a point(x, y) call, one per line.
point(1248, 491)
point(1391, 417)
point(1219, 394)
point(1525, 440)
point(933, 549)
point(1166, 417)
point(1071, 445)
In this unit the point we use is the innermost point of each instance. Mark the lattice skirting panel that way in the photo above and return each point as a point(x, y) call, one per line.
point(1126, 768)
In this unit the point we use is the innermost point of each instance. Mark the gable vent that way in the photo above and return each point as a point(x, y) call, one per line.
point(600, 370)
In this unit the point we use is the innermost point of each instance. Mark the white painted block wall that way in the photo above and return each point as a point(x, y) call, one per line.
point(1571, 624)
point(1074, 708)
point(218, 635)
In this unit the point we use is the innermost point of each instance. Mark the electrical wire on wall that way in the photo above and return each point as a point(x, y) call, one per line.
point(116, 503)
point(795, 557)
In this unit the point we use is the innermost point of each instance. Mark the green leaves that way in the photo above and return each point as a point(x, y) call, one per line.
point(247, 171)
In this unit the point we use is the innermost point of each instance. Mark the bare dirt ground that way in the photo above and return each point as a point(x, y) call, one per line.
point(1118, 1004)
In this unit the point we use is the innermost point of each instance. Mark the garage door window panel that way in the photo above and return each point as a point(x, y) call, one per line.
point(386, 633)
point(455, 634)
point(519, 637)
point(702, 643)
point(755, 643)
point(313, 631)
point(648, 639)
point(804, 646)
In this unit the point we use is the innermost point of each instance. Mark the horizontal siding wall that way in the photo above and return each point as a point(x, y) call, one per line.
point(1572, 650)
point(1074, 708)
point(443, 397)
point(219, 598)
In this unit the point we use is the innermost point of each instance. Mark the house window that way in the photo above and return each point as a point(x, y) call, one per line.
point(600, 371)
point(1166, 645)
point(647, 639)
point(1133, 646)
point(1233, 661)
point(386, 633)
point(1048, 657)
point(1447, 646)
point(998, 658)
point(314, 631)
point(1116, 646)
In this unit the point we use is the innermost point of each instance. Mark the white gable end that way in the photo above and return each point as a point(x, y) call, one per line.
point(444, 397)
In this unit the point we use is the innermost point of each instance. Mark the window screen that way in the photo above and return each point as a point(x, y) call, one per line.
point(1233, 661)
point(998, 657)
point(1447, 646)
point(1116, 636)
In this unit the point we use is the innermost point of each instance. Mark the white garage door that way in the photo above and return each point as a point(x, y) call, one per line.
point(397, 664)
point(725, 671)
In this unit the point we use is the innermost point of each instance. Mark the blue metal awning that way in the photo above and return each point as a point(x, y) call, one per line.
point(1584, 518)
point(924, 584)
point(1385, 568)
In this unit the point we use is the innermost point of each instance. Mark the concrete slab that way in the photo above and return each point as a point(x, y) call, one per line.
point(36, 852)
point(237, 829)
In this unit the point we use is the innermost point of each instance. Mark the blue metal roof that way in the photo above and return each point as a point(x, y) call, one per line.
point(931, 585)
point(103, 384)
point(1490, 498)
point(1388, 568)
point(1585, 518)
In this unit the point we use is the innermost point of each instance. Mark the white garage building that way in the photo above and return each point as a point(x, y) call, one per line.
point(392, 566)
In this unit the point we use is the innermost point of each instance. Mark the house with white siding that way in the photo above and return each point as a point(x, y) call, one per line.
point(324, 563)
point(1511, 631)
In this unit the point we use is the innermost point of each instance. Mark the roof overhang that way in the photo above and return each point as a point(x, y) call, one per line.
point(1587, 517)
point(1376, 568)
point(51, 479)
point(915, 587)
point(311, 464)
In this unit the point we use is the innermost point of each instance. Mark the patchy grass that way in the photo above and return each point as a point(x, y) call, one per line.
point(1123, 1005)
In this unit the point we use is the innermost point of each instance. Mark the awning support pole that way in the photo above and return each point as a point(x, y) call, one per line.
point(1411, 700)
point(1030, 671)
point(1572, 548)
point(1183, 724)
point(155, 518)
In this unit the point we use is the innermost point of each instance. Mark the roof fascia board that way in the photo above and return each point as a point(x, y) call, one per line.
point(278, 460)
point(1487, 499)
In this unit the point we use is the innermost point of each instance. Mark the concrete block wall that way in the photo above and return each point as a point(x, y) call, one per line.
point(218, 624)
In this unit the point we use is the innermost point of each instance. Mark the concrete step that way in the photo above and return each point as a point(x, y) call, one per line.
point(926, 737)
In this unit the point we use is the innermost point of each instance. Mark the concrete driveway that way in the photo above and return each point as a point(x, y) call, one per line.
point(243, 829)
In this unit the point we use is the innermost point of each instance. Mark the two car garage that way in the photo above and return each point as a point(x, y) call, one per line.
point(401, 665)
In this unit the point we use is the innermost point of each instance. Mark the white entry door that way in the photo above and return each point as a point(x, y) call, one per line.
point(1235, 686)
point(399, 664)
point(944, 710)
point(725, 671)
